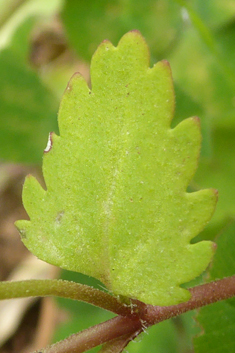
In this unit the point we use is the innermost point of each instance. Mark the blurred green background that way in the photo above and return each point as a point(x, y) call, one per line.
point(42, 43)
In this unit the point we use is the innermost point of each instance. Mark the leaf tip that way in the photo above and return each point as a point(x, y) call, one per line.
point(136, 32)
point(21, 226)
point(28, 176)
point(164, 66)
point(22, 232)
point(105, 41)
point(104, 45)
point(196, 119)
point(216, 193)
point(165, 62)
point(213, 246)
point(74, 77)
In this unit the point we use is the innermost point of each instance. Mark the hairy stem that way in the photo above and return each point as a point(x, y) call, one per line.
point(117, 330)
point(94, 336)
point(201, 295)
point(65, 289)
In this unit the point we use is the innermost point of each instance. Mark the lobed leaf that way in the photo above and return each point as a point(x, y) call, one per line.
point(116, 206)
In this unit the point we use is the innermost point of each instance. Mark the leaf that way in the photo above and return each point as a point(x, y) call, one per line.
point(116, 206)
point(215, 13)
point(184, 106)
point(217, 320)
point(204, 76)
point(218, 172)
point(27, 106)
point(15, 13)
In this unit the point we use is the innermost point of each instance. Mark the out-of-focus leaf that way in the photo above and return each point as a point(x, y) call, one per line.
point(160, 338)
point(215, 13)
point(186, 106)
point(15, 12)
point(202, 77)
point(171, 336)
point(207, 77)
point(186, 329)
point(28, 108)
point(27, 111)
point(219, 172)
point(225, 38)
point(225, 251)
point(88, 23)
point(189, 65)
point(116, 205)
point(218, 325)
point(199, 25)
point(218, 320)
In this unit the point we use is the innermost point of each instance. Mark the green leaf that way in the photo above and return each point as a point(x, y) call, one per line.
point(217, 320)
point(218, 172)
point(215, 13)
point(27, 111)
point(206, 76)
point(201, 77)
point(116, 206)
point(28, 108)
point(15, 13)
point(185, 105)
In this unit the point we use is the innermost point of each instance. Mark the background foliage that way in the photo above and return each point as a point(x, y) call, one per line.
point(42, 43)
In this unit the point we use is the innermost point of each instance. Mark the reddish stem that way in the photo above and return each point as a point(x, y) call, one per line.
point(201, 295)
point(147, 315)
point(95, 336)
point(118, 344)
